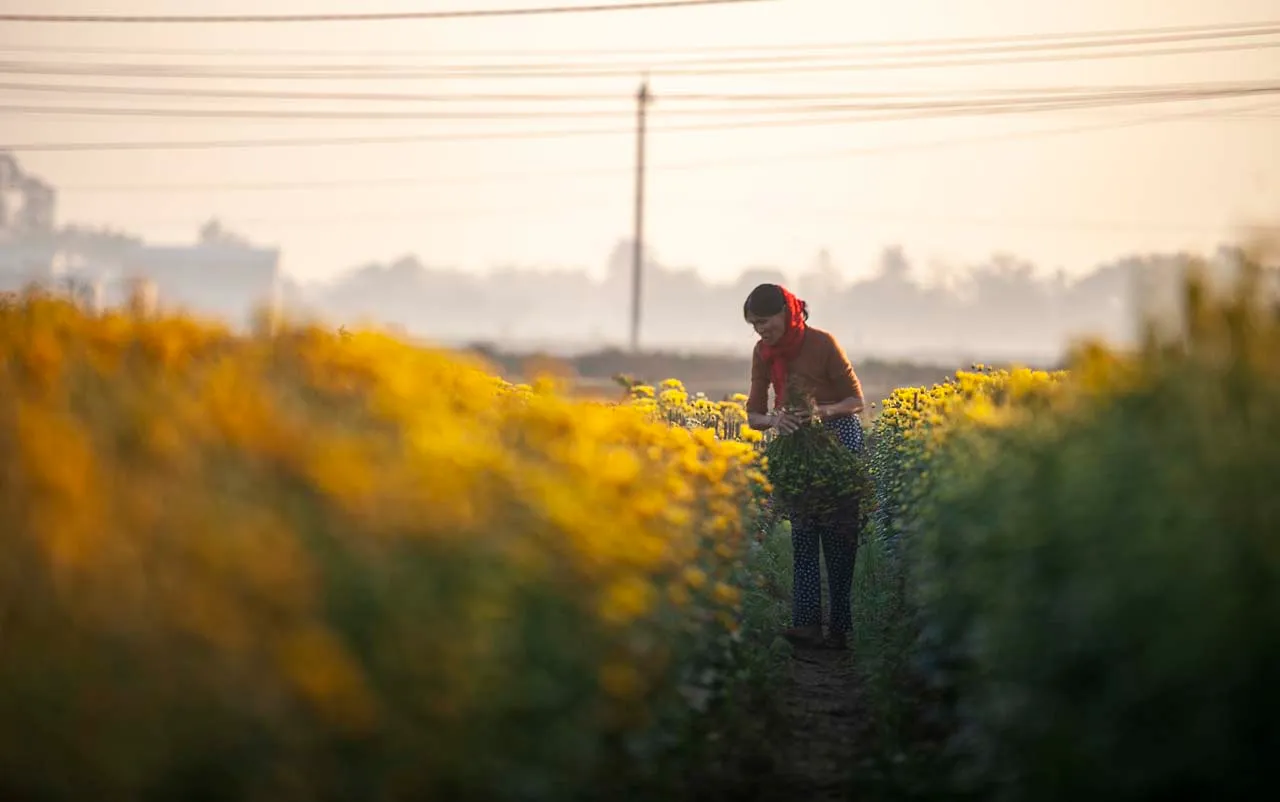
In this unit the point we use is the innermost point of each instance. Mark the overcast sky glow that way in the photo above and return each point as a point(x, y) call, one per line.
point(1130, 179)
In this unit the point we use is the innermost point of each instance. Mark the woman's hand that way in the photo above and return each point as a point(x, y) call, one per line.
point(788, 422)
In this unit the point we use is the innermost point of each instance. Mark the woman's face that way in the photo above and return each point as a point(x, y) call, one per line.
point(769, 328)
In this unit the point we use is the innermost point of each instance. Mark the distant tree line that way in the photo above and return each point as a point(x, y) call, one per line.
point(999, 309)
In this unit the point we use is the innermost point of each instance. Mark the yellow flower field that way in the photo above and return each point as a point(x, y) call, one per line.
point(278, 565)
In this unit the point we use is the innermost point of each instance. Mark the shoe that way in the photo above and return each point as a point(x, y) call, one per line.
point(804, 636)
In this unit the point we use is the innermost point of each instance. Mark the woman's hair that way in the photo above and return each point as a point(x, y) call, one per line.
point(767, 300)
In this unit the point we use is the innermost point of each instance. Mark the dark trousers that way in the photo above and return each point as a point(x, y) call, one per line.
point(839, 545)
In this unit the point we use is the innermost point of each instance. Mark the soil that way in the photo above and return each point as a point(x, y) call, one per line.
point(824, 715)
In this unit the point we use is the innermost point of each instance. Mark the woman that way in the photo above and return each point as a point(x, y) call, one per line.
point(791, 349)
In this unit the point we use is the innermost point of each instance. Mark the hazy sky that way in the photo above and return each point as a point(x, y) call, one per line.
point(720, 200)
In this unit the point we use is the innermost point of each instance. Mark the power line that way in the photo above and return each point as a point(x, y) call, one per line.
point(557, 134)
point(526, 176)
point(756, 66)
point(808, 53)
point(375, 116)
point(389, 16)
point(836, 106)
point(1008, 136)
point(802, 62)
point(187, 93)
point(1198, 30)
point(364, 116)
point(375, 97)
point(807, 156)
point(803, 53)
point(454, 213)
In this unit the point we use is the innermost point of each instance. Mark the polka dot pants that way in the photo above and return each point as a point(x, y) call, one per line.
point(839, 545)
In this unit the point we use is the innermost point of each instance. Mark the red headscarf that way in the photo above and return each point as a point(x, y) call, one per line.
point(778, 357)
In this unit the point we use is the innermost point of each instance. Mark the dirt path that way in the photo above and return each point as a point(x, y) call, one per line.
point(822, 709)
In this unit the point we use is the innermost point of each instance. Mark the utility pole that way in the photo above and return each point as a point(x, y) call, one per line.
point(637, 243)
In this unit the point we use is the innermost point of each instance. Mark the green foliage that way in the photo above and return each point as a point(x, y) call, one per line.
point(727, 750)
point(1103, 585)
point(914, 427)
point(1086, 592)
point(814, 477)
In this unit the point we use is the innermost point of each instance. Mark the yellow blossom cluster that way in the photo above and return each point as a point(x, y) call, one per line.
point(672, 403)
point(282, 547)
point(980, 395)
point(915, 422)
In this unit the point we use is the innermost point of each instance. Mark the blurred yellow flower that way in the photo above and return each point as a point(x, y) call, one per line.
point(679, 595)
point(626, 599)
point(318, 666)
point(621, 681)
point(248, 502)
point(727, 594)
point(695, 577)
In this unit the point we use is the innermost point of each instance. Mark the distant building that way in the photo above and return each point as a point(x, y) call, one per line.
point(224, 280)
point(27, 251)
point(220, 275)
point(26, 203)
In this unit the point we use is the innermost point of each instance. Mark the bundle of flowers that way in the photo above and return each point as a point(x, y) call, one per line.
point(814, 476)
